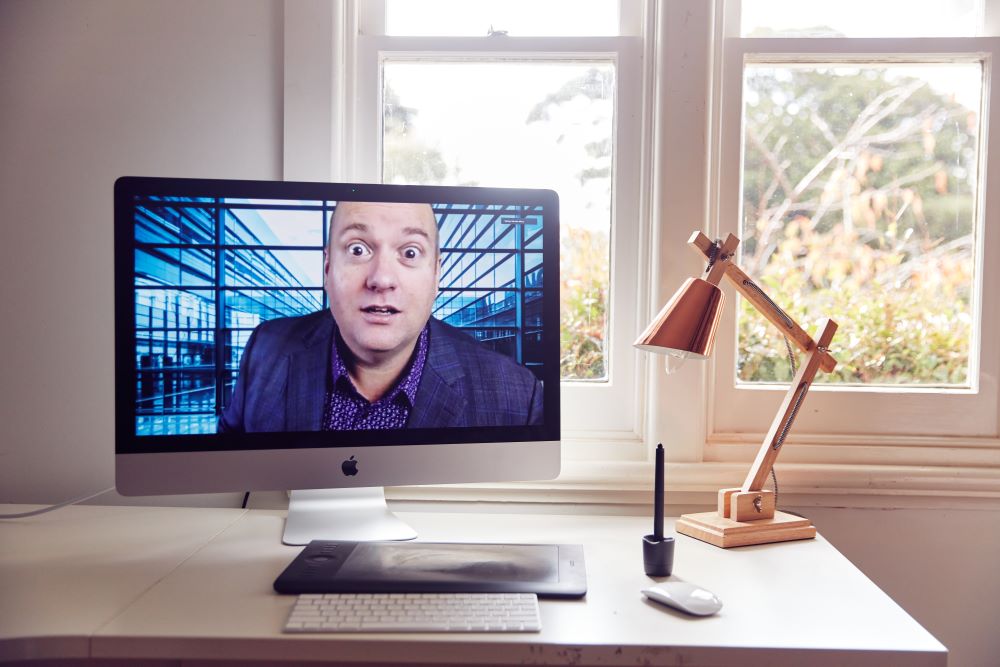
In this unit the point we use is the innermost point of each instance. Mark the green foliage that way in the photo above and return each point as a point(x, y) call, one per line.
point(897, 325)
point(583, 304)
point(859, 199)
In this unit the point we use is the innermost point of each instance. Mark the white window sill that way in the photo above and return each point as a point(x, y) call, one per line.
point(881, 473)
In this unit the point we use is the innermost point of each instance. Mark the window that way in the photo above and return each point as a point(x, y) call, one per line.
point(855, 172)
point(505, 95)
point(860, 201)
point(700, 115)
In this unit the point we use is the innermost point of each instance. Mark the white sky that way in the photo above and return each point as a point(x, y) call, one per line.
point(475, 113)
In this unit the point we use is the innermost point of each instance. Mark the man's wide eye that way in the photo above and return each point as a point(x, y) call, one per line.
point(411, 253)
point(357, 249)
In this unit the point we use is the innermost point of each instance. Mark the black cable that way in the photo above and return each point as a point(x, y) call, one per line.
point(774, 479)
point(246, 498)
point(774, 475)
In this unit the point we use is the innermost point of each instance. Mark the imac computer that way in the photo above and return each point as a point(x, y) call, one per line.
point(333, 339)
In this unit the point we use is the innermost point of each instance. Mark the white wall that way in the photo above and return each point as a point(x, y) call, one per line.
point(92, 90)
point(940, 565)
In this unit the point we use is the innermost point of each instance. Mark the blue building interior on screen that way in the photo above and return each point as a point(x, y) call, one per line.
point(208, 270)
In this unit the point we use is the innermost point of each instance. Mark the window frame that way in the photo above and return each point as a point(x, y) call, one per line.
point(925, 411)
point(874, 411)
point(680, 171)
point(883, 459)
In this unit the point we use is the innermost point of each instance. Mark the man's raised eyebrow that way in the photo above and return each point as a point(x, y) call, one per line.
point(416, 230)
point(363, 228)
point(354, 227)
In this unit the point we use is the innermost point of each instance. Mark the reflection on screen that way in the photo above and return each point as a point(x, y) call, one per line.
point(453, 562)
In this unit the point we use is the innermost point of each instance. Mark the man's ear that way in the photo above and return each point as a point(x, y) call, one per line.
point(326, 263)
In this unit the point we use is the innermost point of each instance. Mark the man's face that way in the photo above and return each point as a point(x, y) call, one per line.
point(381, 275)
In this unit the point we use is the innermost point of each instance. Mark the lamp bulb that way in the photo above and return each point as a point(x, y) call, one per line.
point(674, 362)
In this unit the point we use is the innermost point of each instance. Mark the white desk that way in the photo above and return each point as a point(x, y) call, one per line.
point(195, 585)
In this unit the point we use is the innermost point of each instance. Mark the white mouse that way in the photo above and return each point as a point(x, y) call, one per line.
point(686, 597)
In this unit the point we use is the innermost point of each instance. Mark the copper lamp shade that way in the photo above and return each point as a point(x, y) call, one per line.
point(686, 325)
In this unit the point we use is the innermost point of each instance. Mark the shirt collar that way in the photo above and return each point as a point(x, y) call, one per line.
point(406, 386)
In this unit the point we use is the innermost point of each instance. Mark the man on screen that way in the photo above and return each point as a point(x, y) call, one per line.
point(377, 359)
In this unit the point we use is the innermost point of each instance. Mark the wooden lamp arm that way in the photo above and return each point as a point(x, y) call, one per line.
point(724, 266)
point(796, 394)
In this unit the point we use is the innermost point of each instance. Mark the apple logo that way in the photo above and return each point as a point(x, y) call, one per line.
point(349, 467)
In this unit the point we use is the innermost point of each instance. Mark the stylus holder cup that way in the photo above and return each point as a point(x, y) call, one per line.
point(657, 555)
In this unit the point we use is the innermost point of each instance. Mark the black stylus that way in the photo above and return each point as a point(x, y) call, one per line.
point(658, 495)
point(657, 550)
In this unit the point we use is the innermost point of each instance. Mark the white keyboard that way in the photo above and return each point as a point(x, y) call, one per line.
point(415, 612)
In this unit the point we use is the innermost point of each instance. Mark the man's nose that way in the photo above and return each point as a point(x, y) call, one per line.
point(382, 273)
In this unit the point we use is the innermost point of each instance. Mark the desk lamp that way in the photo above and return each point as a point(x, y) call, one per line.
point(685, 328)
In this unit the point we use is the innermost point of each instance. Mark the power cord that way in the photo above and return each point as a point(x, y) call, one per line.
point(246, 499)
point(792, 365)
point(24, 515)
point(774, 475)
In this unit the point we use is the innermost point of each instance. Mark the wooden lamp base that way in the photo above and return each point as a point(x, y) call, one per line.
point(724, 532)
point(743, 518)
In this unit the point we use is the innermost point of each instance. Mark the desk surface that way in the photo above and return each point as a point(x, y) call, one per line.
point(195, 584)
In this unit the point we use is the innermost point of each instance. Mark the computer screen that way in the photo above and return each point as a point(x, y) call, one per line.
point(282, 335)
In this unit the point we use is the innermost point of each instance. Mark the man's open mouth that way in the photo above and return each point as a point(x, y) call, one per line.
point(381, 310)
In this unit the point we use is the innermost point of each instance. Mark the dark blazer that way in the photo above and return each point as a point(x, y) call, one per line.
point(283, 380)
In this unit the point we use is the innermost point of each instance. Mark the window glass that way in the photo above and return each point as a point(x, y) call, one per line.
point(860, 187)
point(540, 124)
point(860, 18)
point(511, 17)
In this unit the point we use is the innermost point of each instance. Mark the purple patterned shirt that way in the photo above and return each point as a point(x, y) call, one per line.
point(346, 409)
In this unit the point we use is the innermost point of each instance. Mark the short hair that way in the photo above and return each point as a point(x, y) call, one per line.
point(430, 210)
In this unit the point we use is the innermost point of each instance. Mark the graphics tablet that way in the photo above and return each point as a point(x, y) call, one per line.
point(550, 570)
